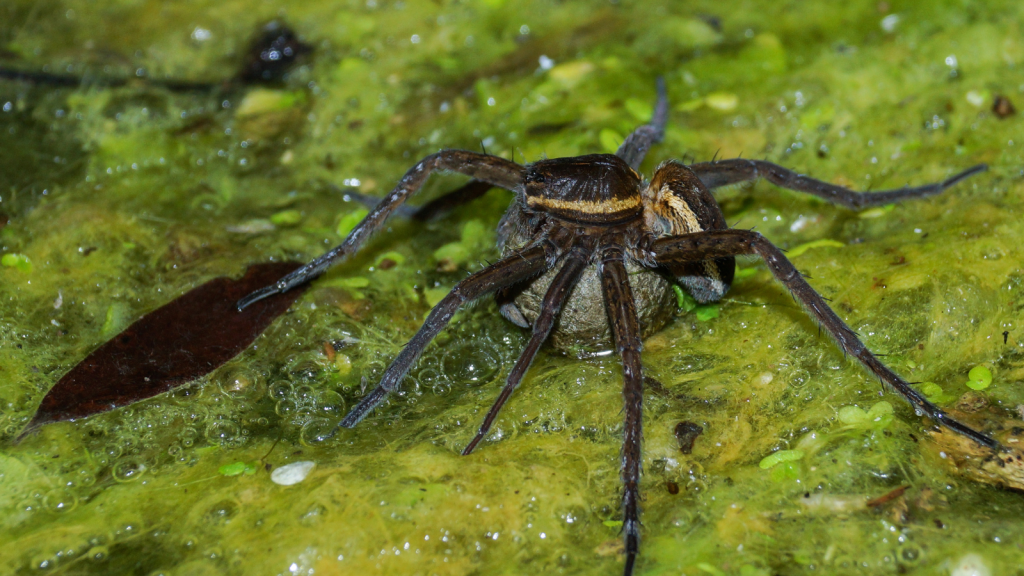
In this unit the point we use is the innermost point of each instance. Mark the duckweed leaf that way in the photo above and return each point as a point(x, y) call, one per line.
point(824, 243)
point(348, 221)
point(19, 261)
point(171, 346)
point(980, 378)
point(779, 457)
point(233, 469)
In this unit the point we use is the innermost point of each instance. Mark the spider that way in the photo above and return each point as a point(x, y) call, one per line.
point(588, 232)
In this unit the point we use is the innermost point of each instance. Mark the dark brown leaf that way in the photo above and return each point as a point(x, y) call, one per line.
point(171, 346)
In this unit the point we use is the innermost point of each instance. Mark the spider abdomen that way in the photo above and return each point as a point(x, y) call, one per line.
point(583, 324)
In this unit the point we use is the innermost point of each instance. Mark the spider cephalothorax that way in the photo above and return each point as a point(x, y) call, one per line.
point(590, 252)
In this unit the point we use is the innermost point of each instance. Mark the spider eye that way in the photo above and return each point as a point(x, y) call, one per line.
point(536, 178)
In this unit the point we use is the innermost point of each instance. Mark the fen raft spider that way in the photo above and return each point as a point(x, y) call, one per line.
point(588, 232)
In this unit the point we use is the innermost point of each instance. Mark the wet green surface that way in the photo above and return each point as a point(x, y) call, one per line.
point(120, 199)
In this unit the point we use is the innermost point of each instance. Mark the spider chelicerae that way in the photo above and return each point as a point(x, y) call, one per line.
point(590, 253)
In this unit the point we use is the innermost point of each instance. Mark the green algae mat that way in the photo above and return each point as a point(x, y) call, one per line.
point(115, 199)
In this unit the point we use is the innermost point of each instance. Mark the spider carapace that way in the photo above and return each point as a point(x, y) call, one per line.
point(590, 252)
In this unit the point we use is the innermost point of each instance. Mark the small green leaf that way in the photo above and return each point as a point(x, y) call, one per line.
point(933, 392)
point(349, 221)
point(975, 385)
point(612, 523)
point(706, 312)
point(784, 471)
point(116, 319)
point(287, 218)
point(435, 295)
point(742, 273)
point(251, 468)
point(352, 282)
point(690, 105)
point(751, 570)
point(454, 251)
point(779, 457)
point(639, 109)
point(233, 469)
point(610, 140)
point(395, 257)
point(876, 212)
point(852, 415)
point(722, 101)
point(475, 235)
point(684, 301)
point(19, 261)
point(705, 567)
point(880, 410)
point(823, 243)
point(981, 375)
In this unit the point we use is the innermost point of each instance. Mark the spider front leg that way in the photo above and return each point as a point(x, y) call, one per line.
point(625, 324)
point(432, 210)
point(517, 267)
point(575, 262)
point(492, 169)
point(727, 172)
point(722, 243)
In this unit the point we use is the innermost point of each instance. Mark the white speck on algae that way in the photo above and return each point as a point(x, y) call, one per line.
point(293, 473)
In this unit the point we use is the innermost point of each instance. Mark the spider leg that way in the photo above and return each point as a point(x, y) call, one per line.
point(726, 172)
point(432, 210)
point(575, 262)
point(625, 324)
point(493, 169)
point(636, 145)
point(720, 243)
point(514, 268)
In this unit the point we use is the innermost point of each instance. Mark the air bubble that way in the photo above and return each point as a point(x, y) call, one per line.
point(286, 408)
point(281, 390)
point(374, 371)
point(222, 512)
point(316, 432)
point(242, 383)
point(330, 404)
point(222, 431)
point(59, 501)
point(128, 470)
point(470, 363)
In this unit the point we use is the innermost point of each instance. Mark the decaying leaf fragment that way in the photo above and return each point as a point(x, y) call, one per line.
point(171, 346)
point(1004, 468)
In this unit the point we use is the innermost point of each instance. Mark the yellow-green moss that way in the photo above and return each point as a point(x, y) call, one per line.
point(123, 198)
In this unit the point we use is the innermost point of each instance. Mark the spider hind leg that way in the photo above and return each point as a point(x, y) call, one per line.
point(625, 324)
point(722, 243)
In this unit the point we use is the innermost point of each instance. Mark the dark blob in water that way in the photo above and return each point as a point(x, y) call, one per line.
point(271, 54)
point(171, 346)
point(686, 434)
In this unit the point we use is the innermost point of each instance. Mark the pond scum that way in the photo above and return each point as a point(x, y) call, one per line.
point(113, 201)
